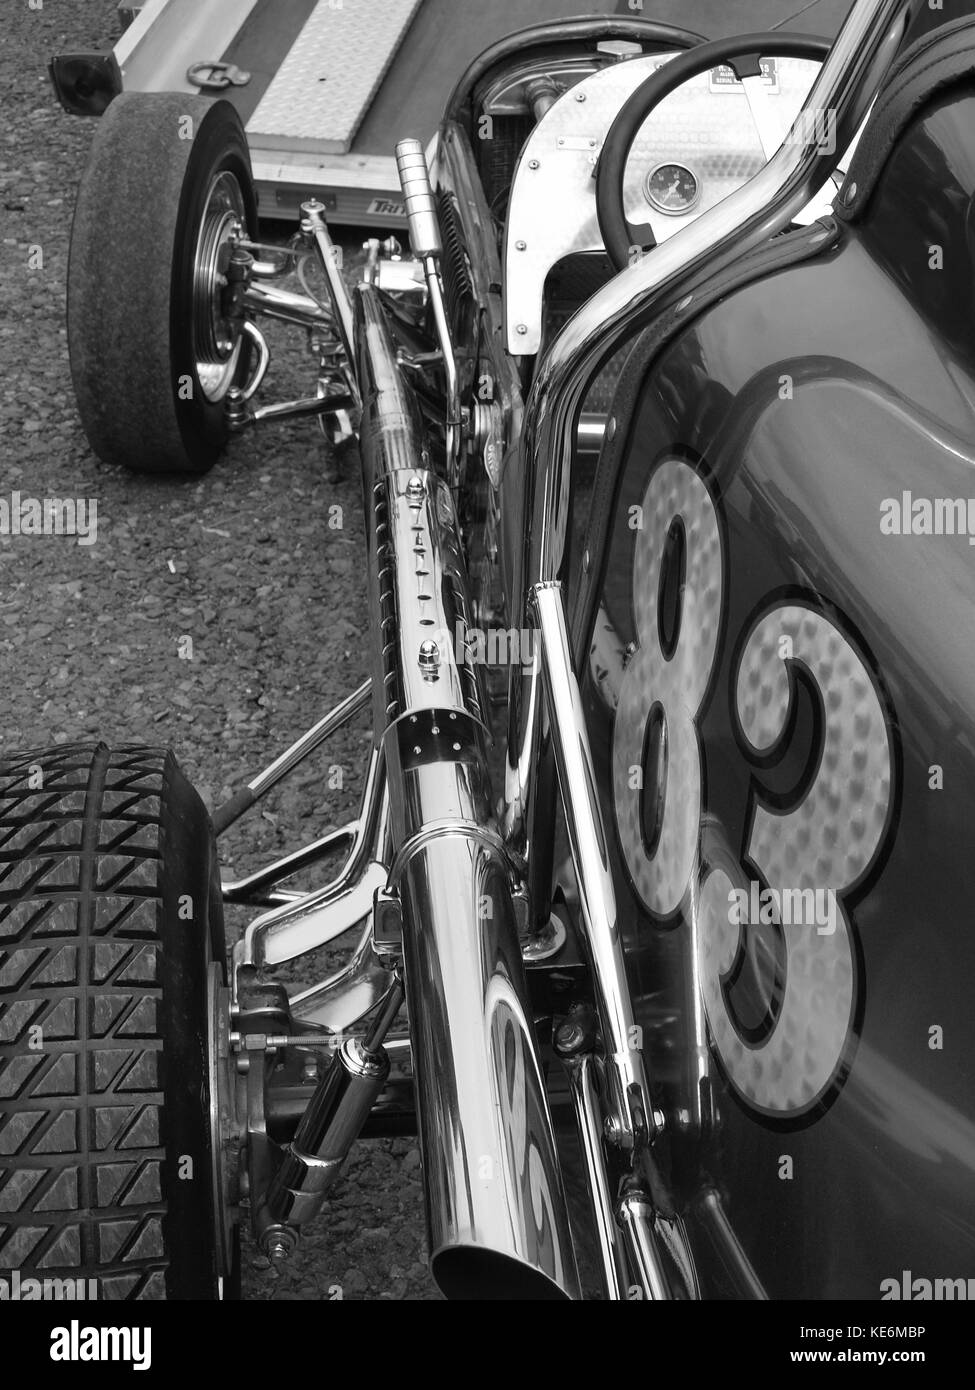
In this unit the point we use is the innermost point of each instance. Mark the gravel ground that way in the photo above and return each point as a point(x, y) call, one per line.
point(91, 635)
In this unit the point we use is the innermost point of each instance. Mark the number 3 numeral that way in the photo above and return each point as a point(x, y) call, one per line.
point(819, 850)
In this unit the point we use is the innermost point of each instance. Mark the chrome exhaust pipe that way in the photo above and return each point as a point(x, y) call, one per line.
point(496, 1213)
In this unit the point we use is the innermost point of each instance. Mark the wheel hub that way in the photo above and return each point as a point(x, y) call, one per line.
point(216, 338)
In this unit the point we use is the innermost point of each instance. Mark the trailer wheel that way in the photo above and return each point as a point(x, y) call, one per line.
point(110, 925)
point(153, 352)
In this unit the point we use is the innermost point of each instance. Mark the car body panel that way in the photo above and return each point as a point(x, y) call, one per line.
point(818, 1084)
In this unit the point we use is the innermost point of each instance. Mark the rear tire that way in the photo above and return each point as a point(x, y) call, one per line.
point(152, 358)
point(110, 913)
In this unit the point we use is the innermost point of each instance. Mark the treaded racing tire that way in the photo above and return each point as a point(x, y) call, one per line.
point(104, 1078)
point(134, 303)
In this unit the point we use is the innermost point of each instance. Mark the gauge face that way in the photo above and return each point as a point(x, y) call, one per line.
point(673, 188)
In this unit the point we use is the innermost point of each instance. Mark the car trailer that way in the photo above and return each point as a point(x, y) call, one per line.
point(319, 84)
point(323, 85)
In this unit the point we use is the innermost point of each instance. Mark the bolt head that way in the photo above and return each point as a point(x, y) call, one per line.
point(569, 1037)
point(279, 1242)
point(429, 658)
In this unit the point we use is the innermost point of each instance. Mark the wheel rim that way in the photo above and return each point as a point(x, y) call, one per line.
point(216, 339)
point(224, 1136)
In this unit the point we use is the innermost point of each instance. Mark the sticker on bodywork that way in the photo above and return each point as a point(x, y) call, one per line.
point(776, 909)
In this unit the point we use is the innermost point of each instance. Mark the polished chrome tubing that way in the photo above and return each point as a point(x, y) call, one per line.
point(589, 1122)
point(427, 246)
point(245, 797)
point(418, 199)
point(348, 994)
point(259, 886)
point(496, 1212)
point(636, 1217)
point(847, 84)
point(332, 1122)
point(286, 306)
point(305, 407)
point(631, 1112)
point(316, 735)
point(317, 918)
point(313, 222)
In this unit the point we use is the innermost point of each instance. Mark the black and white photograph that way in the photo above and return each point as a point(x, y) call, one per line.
point(487, 633)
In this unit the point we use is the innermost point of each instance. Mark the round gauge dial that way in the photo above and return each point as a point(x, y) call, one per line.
point(673, 189)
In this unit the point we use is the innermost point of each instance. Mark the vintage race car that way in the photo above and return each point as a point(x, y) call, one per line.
point(667, 429)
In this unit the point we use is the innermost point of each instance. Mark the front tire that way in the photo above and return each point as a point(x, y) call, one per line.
point(110, 917)
point(152, 353)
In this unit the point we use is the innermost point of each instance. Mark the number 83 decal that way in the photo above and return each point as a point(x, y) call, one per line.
point(801, 862)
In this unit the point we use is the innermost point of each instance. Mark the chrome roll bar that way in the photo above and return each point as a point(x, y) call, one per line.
point(847, 85)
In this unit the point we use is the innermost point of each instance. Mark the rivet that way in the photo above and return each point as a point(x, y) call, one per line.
point(521, 245)
point(580, 96)
point(534, 164)
point(521, 328)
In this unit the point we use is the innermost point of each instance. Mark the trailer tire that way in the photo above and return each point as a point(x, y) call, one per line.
point(107, 1169)
point(152, 355)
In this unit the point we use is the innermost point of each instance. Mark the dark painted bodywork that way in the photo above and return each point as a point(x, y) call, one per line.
point(807, 399)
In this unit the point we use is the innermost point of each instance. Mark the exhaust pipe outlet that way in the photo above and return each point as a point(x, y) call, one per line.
point(496, 1212)
point(495, 1205)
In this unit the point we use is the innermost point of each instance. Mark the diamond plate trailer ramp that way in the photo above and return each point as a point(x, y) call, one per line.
point(322, 89)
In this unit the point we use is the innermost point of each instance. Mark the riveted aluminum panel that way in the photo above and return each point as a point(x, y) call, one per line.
point(552, 213)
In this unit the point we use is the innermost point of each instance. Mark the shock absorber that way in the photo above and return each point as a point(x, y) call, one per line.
point(329, 1127)
point(427, 245)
